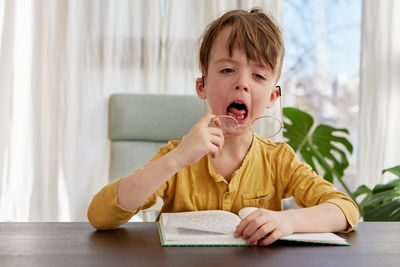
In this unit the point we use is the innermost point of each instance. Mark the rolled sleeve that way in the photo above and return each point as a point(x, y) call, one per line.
point(310, 189)
point(350, 211)
point(104, 211)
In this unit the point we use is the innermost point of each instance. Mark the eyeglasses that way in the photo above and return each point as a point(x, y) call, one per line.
point(267, 126)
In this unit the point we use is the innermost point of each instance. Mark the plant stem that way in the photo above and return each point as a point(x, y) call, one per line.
point(321, 158)
point(346, 188)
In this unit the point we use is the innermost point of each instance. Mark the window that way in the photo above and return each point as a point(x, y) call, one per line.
point(321, 67)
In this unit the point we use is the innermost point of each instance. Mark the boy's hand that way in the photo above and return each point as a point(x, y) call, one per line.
point(263, 227)
point(201, 140)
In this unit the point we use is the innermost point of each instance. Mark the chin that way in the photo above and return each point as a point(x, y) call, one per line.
point(241, 132)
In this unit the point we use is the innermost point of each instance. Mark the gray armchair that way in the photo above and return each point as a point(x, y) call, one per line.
point(140, 124)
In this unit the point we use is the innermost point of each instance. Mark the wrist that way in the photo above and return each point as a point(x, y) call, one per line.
point(174, 161)
point(290, 219)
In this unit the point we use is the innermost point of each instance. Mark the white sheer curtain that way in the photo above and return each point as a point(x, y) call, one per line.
point(59, 63)
point(7, 19)
point(184, 22)
point(380, 90)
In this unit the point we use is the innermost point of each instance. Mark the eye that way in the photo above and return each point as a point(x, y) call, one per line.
point(259, 76)
point(227, 70)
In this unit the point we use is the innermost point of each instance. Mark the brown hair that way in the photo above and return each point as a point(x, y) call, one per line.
point(253, 31)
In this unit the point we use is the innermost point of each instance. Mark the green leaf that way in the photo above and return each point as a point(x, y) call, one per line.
point(386, 187)
point(388, 193)
point(395, 170)
point(322, 146)
point(388, 212)
point(296, 132)
point(380, 199)
point(362, 190)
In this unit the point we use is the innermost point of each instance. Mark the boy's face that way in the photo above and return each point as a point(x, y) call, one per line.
point(234, 85)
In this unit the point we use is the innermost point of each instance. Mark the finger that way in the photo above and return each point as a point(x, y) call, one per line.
point(261, 233)
point(206, 119)
point(253, 226)
point(217, 141)
point(216, 122)
point(271, 238)
point(244, 223)
point(214, 150)
point(218, 133)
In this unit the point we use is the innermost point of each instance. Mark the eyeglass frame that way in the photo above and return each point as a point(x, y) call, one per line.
point(256, 119)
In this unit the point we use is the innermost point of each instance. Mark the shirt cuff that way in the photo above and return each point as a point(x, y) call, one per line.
point(350, 210)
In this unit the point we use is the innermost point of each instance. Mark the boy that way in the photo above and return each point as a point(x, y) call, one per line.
point(241, 59)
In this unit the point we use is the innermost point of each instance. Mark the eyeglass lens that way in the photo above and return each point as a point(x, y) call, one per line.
point(267, 126)
point(227, 124)
point(264, 126)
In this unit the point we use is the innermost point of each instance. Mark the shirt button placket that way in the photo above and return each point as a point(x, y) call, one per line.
point(226, 203)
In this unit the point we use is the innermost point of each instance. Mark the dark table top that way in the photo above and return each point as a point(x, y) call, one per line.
point(138, 244)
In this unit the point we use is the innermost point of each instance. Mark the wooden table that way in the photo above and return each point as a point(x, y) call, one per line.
point(138, 244)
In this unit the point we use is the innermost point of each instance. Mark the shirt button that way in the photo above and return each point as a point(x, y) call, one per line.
point(227, 195)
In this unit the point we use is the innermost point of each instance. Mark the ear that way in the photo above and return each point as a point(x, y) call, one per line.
point(276, 92)
point(201, 92)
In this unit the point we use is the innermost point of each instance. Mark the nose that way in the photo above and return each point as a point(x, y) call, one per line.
point(242, 83)
point(244, 88)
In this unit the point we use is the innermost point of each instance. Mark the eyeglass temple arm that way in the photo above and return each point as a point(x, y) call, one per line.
point(280, 101)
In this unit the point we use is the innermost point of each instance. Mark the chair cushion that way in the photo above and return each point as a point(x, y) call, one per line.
point(140, 124)
point(152, 117)
point(127, 156)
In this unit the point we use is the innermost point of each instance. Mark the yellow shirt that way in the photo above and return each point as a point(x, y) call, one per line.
point(269, 173)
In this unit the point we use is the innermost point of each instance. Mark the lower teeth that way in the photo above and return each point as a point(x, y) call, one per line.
point(237, 117)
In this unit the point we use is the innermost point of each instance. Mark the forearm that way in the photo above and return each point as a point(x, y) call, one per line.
point(133, 190)
point(325, 217)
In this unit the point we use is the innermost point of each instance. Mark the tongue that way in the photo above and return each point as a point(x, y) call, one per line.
point(237, 112)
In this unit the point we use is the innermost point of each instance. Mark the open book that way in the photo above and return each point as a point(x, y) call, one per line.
point(217, 227)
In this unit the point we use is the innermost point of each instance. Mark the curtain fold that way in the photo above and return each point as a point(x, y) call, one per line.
point(59, 63)
point(379, 90)
point(183, 24)
point(111, 47)
point(7, 26)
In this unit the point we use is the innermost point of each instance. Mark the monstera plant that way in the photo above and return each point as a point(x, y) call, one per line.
point(325, 149)
point(382, 203)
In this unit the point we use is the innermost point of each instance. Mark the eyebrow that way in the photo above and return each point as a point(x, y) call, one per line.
point(228, 60)
point(223, 60)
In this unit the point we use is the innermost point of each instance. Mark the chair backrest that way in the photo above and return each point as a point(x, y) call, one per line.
point(140, 124)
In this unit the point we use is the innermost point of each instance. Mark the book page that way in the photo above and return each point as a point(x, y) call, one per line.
point(217, 221)
point(316, 237)
point(194, 232)
point(190, 235)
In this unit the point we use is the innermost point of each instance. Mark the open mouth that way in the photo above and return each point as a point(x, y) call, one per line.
point(237, 110)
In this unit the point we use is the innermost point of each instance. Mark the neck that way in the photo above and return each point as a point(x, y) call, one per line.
point(237, 145)
point(231, 157)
